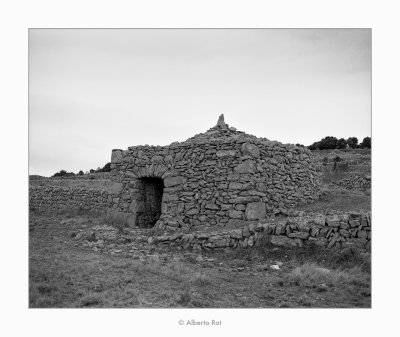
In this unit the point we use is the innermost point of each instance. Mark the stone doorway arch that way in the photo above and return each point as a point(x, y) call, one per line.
point(149, 201)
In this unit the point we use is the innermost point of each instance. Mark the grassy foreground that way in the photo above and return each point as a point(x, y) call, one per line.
point(65, 273)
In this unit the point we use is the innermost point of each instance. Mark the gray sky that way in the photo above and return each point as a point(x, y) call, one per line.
point(91, 91)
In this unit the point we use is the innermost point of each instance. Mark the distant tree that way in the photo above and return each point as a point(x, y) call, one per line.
point(341, 143)
point(314, 146)
point(60, 174)
point(106, 168)
point(352, 142)
point(80, 173)
point(328, 143)
point(92, 171)
point(366, 143)
point(63, 173)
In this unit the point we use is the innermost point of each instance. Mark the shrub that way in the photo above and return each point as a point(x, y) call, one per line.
point(60, 174)
point(80, 173)
point(314, 146)
point(352, 142)
point(341, 143)
point(63, 173)
point(335, 161)
point(328, 143)
point(106, 168)
point(366, 143)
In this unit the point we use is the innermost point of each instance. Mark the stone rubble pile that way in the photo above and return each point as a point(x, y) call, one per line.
point(338, 230)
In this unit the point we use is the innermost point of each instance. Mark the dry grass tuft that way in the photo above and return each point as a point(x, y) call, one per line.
point(200, 279)
point(313, 275)
point(117, 220)
point(90, 300)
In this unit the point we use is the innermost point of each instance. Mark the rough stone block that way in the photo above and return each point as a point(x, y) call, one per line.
point(236, 234)
point(192, 211)
point(251, 150)
point(169, 197)
point(240, 207)
point(173, 181)
point(299, 235)
point(318, 241)
point(362, 234)
point(250, 241)
point(255, 211)
point(211, 206)
point(333, 221)
point(247, 166)
point(117, 188)
point(283, 241)
point(244, 200)
point(233, 214)
point(226, 153)
point(245, 231)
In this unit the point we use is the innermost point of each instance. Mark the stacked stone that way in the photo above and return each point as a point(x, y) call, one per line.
point(355, 182)
point(215, 177)
point(55, 197)
point(352, 229)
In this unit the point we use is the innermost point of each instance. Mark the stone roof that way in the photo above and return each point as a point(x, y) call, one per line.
point(221, 132)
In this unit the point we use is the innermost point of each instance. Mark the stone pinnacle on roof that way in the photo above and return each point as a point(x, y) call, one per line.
point(221, 123)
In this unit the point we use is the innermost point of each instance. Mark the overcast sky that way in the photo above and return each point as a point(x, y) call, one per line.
point(91, 91)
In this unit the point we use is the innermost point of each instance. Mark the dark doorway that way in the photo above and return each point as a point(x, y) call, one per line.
point(151, 192)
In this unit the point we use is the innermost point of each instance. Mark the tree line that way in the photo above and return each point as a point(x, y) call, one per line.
point(330, 143)
point(63, 173)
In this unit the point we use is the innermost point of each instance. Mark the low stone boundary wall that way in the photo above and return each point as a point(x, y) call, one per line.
point(336, 230)
point(355, 182)
point(56, 197)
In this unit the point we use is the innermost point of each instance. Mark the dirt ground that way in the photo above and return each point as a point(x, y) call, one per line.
point(69, 266)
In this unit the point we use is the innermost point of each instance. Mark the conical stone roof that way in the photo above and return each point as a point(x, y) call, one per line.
point(222, 133)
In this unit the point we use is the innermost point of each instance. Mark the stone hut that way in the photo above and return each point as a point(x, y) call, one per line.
point(212, 179)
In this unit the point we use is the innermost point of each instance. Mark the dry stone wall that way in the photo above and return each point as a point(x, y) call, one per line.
point(215, 178)
point(45, 197)
point(337, 230)
point(355, 182)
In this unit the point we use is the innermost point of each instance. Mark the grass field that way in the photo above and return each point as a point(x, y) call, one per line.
point(339, 199)
point(129, 273)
